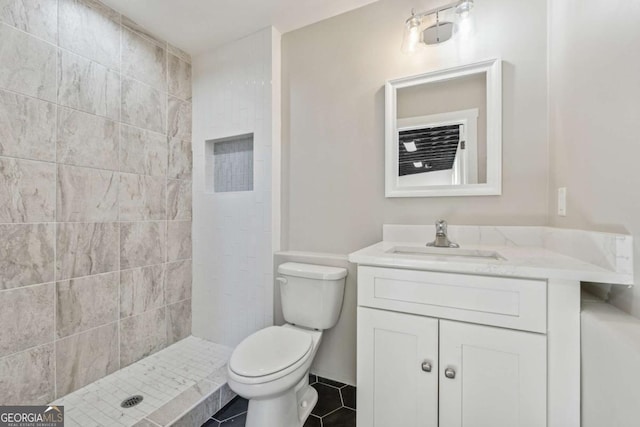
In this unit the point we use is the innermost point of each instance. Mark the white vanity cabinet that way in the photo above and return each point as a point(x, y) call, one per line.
point(502, 313)
point(440, 349)
point(397, 369)
point(500, 376)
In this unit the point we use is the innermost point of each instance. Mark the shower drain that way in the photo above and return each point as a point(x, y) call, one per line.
point(132, 401)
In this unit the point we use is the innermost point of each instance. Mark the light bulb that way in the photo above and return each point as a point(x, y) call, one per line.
point(465, 28)
point(463, 9)
point(465, 25)
point(412, 35)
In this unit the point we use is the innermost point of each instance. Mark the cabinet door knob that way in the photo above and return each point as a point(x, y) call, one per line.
point(426, 366)
point(449, 373)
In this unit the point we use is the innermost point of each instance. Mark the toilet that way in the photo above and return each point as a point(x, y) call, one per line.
point(270, 367)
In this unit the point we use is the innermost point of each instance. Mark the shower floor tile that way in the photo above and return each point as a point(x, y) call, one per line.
point(159, 378)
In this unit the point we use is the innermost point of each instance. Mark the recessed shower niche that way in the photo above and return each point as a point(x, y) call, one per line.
point(229, 164)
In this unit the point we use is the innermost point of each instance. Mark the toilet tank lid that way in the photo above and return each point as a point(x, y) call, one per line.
point(312, 271)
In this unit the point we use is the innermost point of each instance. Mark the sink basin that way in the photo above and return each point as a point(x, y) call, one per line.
point(432, 252)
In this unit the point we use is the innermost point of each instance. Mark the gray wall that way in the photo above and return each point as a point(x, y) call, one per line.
point(333, 123)
point(95, 196)
point(610, 345)
point(594, 113)
point(333, 136)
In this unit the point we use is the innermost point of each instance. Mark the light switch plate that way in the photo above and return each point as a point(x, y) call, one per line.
point(562, 201)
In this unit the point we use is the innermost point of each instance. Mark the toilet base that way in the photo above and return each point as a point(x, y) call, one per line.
point(290, 409)
point(307, 403)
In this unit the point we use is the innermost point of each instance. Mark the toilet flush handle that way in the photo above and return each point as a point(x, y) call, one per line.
point(281, 280)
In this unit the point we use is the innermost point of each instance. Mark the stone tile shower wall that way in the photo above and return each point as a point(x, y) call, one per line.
point(95, 196)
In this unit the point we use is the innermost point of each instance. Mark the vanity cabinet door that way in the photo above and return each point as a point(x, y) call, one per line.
point(491, 377)
point(397, 369)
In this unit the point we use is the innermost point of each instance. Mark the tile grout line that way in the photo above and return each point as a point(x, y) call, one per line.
point(330, 413)
point(55, 216)
point(104, 221)
point(119, 227)
point(167, 327)
point(114, 170)
point(148, 37)
point(88, 113)
point(232, 417)
point(96, 274)
point(93, 328)
point(27, 349)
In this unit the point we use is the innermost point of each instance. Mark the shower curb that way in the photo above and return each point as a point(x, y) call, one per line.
point(192, 407)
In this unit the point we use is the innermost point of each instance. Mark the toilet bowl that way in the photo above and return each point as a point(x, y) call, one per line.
point(270, 367)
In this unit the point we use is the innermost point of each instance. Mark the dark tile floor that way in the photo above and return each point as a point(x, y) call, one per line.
point(336, 407)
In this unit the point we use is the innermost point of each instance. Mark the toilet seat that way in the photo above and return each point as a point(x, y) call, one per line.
point(270, 351)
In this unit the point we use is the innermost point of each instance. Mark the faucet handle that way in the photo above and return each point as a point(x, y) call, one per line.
point(441, 226)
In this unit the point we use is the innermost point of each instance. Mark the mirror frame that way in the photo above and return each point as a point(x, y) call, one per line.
point(493, 186)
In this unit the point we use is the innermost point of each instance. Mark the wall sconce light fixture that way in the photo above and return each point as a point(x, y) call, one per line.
point(434, 26)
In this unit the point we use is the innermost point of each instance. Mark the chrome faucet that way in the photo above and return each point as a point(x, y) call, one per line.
point(442, 241)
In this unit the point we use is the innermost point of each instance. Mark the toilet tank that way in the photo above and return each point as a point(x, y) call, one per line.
point(311, 295)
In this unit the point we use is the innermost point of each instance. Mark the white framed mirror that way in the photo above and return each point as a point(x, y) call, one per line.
point(444, 132)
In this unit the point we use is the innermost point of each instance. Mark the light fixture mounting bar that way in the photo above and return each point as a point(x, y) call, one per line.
point(439, 9)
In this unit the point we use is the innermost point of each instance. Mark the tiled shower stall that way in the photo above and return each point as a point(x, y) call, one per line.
point(95, 196)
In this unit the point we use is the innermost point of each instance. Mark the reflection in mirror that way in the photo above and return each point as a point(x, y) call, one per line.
point(443, 133)
point(437, 153)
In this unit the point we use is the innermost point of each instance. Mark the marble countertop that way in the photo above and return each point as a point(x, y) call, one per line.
point(528, 258)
